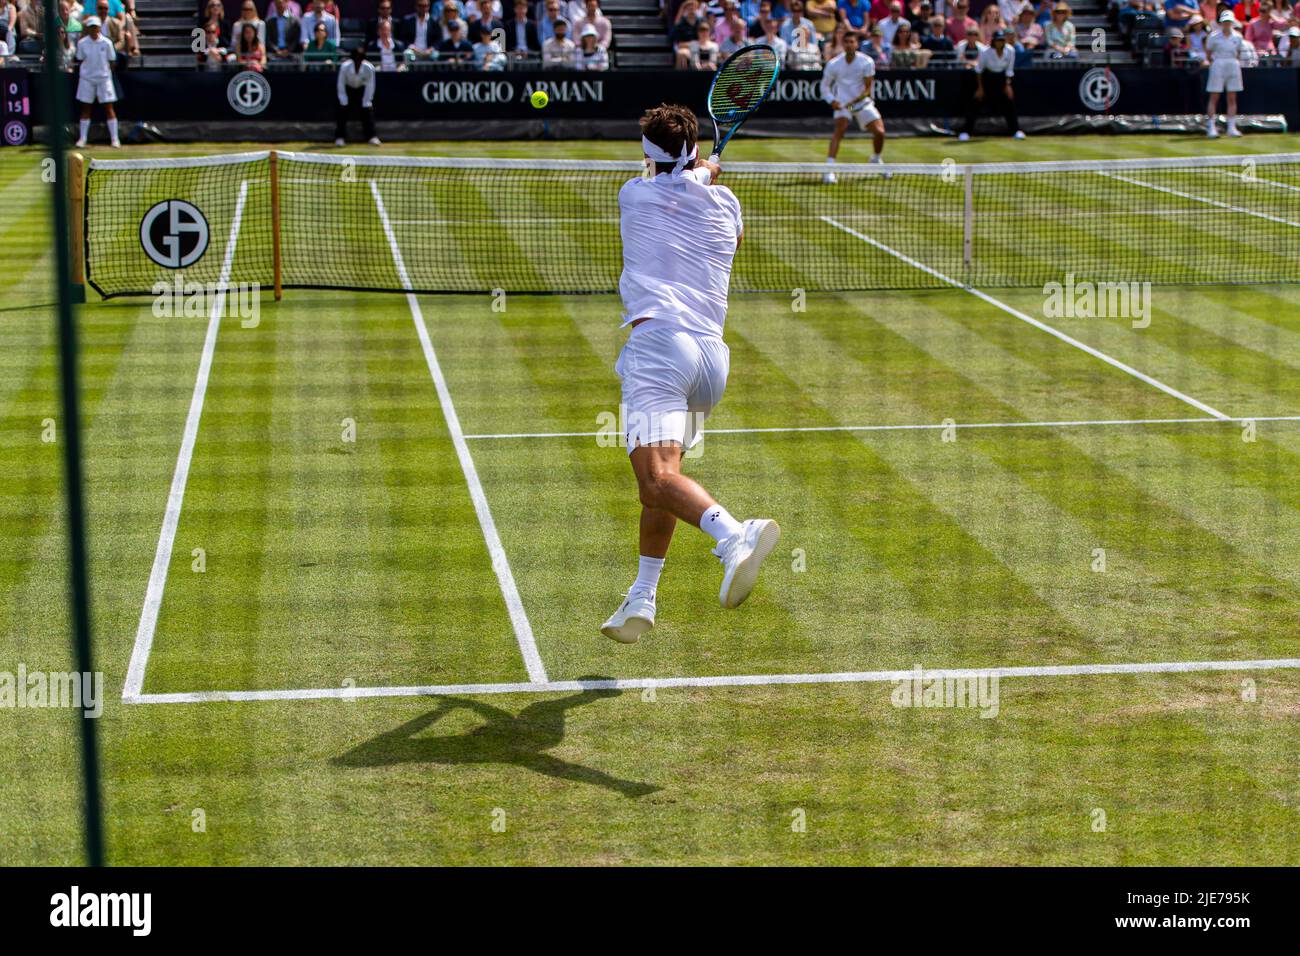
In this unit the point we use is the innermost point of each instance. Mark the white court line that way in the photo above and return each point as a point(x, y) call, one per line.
point(1016, 313)
point(1195, 198)
point(739, 680)
point(1255, 179)
point(162, 557)
point(500, 563)
point(926, 427)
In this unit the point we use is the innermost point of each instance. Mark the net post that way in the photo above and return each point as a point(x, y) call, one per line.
point(275, 220)
point(76, 173)
point(968, 216)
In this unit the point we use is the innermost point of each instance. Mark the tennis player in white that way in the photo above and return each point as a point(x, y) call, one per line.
point(1223, 52)
point(95, 52)
point(680, 233)
point(847, 85)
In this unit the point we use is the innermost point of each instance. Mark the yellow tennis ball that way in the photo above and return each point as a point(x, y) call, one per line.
point(539, 99)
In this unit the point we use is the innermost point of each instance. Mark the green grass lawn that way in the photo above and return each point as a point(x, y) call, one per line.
point(332, 564)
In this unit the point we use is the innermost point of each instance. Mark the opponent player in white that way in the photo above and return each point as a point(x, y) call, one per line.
point(95, 52)
point(680, 233)
point(1223, 53)
point(847, 85)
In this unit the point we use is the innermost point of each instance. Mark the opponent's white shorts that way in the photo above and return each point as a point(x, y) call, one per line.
point(672, 379)
point(1225, 75)
point(96, 91)
point(865, 116)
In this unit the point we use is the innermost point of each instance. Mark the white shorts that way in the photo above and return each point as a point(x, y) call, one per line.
point(96, 91)
point(865, 116)
point(672, 379)
point(1224, 75)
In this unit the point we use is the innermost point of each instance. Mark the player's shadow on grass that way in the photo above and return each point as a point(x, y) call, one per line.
point(519, 740)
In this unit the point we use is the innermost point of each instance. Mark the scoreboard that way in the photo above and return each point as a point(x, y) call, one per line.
point(15, 110)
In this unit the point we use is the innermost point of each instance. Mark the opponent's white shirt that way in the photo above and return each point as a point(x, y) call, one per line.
point(679, 238)
point(845, 81)
point(1220, 46)
point(989, 62)
point(95, 57)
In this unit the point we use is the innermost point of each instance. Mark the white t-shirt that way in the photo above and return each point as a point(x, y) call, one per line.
point(845, 81)
point(95, 57)
point(989, 61)
point(679, 239)
point(1220, 46)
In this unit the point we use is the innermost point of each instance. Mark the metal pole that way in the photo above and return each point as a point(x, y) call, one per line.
point(56, 108)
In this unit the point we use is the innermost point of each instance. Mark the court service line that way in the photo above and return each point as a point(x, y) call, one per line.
point(1254, 179)
point(738, 680)
point(176, 496)
point(1202, 199)
point(500, 563)
point(1016, 313)
point(925, 427)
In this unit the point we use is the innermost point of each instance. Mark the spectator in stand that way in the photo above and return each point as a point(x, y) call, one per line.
point(592, 17)
point(390, 50)
point(214, 54)
point(420, 32)
point(960, 23)
point(703, 53)
point(796, 20)
point(321, 49)
point(448, 18)
point(1060, 34)
point(772, 38)
point(1288, 45)
point(918, 13)
point(1043, 13)
point(1194, 40)
point(356, 93)
point(1280, 16)
point(722, 26)
point(684, 30)
point(551, 11)
point(115, 28)
point(905, 52)
point(384, 13)
point(936, 38)
point(855, 12)
point(739, 37)
point(521, 33)
point(559, 52)
point(283, 31)
point(247, 14)
point(486, 23)
point(489, 54)
point(591, 55)
point(890, 24)
point(454, 47)
point(1010, 10)
point(292, 5)
point(1259, 34)
point(1029, 34)
point(1179, 12)
point(1245, 11)
point(248, 51)
point(969, 49)
point(804, 53)
point(874, 47)
point(318, 14)
point(214, 14)
point(824, 14)
point(990, 22)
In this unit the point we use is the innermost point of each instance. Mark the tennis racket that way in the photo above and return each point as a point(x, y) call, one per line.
point(739, 88)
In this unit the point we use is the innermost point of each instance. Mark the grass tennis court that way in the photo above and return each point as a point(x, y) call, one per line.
point(947, 476)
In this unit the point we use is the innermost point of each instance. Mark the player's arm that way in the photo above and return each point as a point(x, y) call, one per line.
point(828, 94)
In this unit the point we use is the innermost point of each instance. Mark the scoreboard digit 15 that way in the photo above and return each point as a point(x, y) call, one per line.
point(15, 109)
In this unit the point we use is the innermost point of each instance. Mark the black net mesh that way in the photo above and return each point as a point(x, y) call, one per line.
point(553, 227)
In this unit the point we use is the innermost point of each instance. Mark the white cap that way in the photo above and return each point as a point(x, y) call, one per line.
point(90, 22)
point(590, 31)
point(1227, 17)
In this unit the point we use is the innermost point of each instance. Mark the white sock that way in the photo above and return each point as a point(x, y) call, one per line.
point(84, 126)
point(718, 523)
point(112, 130)
point(1232, 122)
point(647, 574)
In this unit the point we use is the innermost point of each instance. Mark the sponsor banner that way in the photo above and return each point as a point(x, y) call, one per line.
point(297, 97)
point(16, 109)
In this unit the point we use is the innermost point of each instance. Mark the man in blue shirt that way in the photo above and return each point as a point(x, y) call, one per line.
point(856, 12)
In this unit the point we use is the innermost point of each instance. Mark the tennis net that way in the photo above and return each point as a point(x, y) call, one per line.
point(552, 226)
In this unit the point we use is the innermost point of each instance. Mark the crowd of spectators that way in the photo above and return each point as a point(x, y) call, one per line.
point(22, 27)
point(1270, 29)
point(474, 34)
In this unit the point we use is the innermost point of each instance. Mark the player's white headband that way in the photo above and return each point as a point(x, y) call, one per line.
point(660, 155)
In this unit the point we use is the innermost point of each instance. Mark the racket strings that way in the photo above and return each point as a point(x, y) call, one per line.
point(744, 82)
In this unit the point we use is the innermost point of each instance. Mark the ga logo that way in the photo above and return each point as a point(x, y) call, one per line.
point(1099, 89)
point(174, 234)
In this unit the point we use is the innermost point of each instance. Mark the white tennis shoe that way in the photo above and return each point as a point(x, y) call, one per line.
point(741, 555)
point(634, 617)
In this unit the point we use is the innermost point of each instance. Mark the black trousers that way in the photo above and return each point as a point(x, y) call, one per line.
point(995, 101)
point(354, 107)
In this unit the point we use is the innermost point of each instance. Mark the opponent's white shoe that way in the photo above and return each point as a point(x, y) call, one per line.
point(963, 137)
point(741, 555)
point(1019, 134)
point(1212, 131)
point(1233, 131)
point(829, 179)
point(81, 144)
point(634, 617)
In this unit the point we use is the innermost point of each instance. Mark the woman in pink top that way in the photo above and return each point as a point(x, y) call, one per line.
point(1260, 34)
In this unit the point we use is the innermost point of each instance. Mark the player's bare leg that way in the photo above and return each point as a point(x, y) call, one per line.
point(1212, 116)
point(877, 129)
point(837, 135)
